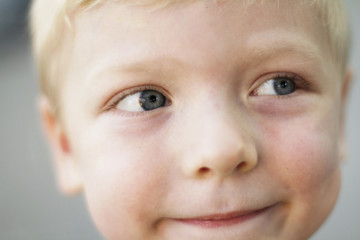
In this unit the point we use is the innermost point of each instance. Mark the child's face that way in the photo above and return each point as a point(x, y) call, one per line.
point(241, 140)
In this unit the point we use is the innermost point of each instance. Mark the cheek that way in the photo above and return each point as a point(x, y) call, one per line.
point(303, 157)
point(303, 153)
point(124, 181)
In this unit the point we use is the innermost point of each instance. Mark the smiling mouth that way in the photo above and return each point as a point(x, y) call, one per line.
point(223, 220)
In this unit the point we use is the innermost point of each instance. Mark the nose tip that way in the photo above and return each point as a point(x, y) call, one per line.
point(223, 161)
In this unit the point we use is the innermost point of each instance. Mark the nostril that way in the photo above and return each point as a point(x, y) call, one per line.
point(204, 170)
point(241, 166)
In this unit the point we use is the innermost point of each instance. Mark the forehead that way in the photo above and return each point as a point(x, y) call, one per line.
point(203, 21)
point(203, 33)
point(132, 15)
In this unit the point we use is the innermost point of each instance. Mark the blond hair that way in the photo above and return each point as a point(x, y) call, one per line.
point(49, 20)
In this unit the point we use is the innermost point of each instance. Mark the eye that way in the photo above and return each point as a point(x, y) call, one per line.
point(140, 101)
point(276, 86)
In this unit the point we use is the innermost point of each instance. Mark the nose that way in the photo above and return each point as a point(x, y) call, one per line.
point(221, 144)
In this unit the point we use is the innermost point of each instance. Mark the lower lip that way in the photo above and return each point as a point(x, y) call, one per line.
point(216, 223)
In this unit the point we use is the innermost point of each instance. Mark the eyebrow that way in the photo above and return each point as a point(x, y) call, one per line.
point(148, 65)
point(307, 52)
point(289, 42)
point(157, 66)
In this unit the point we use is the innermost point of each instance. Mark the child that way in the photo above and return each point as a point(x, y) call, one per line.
point(196, 119)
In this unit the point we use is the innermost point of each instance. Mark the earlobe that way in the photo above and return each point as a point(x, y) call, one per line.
point(344, 96)
point(348, 78)
point(68, 176)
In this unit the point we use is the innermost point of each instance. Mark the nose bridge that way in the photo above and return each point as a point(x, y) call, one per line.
point(221, 142)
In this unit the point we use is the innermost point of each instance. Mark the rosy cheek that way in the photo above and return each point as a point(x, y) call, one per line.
point(302, 155)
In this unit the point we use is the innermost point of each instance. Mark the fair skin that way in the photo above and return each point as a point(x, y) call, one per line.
point(225, 156)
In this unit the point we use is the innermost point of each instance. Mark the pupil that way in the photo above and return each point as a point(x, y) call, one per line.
point(283, 84)
point(152, 98)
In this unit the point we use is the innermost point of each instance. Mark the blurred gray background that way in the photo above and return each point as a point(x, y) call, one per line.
point(31, 207)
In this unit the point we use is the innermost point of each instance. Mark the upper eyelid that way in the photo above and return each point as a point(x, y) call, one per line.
point(300, 81)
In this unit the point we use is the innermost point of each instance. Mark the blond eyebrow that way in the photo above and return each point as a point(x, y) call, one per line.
point(159, 66)
point(153, 64)
point(265, 53)
point(288, 43)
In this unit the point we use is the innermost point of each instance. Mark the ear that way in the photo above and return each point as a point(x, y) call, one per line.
point(346, 84)
point(68, 177)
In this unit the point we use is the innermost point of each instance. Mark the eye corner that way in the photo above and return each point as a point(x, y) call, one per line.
point(253, 93)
